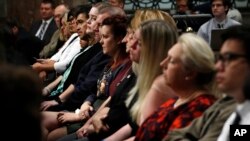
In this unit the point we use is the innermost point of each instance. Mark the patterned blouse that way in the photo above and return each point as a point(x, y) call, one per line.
point(166, 118)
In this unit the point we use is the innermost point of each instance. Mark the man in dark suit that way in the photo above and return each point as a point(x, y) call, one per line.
point(44, 28)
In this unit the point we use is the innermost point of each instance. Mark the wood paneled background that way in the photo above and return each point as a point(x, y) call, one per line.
point(26, 11)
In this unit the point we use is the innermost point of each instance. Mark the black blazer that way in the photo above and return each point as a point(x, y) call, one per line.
point(48, 33)
point(80, 62)
point(86, 83)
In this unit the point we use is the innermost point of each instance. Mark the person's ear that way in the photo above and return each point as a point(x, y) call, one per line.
point(190, 74)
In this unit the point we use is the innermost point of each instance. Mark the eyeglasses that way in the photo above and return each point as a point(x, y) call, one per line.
point(226, 58)
point(71, 20)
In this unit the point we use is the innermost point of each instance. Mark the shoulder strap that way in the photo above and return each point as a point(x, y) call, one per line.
point(73, 40)
point(70, 43)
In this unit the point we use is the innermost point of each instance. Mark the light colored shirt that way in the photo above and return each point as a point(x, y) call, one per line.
point(206, 29)
point(64, 56)
point(243, 110)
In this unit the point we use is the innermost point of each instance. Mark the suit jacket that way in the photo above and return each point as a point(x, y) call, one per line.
point(86, 83)
point(52, 27)
point(79, 62)
point(52, 47)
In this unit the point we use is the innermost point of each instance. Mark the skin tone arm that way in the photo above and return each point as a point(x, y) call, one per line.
point(46, 65)
point(84, 112)
point(66, 94)
point(52, 85)
point(100, 115)
point(121, 134)
point(158, 94)
point(63, 97)
point(130, 139)
point(88, 127)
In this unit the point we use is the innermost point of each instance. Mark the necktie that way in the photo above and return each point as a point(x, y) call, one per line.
point(42, 31)
point(237, 119)
point(220, 26)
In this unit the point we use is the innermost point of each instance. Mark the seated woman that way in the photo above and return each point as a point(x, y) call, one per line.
point(80, 78)
point(147, 95)
point(59, 62)
point(189, 71)
point(88, 50)
point(112, 75)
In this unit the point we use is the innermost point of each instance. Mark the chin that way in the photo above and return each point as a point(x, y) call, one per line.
point(104, 52)
point(222, 88)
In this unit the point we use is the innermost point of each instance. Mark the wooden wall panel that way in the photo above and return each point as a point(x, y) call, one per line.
point(26, 11)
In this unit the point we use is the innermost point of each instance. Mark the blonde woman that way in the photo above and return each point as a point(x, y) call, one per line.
point(152, 52)
point(189, 71)
point(147, 97)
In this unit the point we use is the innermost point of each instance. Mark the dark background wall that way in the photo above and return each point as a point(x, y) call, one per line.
point(26, 11)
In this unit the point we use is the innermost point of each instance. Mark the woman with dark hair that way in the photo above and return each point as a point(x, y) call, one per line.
point(113, 30)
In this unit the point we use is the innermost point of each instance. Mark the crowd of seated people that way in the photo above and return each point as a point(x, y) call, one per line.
point(117, 77)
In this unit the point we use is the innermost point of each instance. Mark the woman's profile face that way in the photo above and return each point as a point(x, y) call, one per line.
point(91, 20)
point(109, 44)
point(173, 68)
point(127, 39)
point(64, 28)
point(135, 46)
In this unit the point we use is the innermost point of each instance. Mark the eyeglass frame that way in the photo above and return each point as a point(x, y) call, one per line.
point(228, 57)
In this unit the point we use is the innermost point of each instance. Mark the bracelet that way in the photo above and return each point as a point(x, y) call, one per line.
point(77, 111)
point(58, 100)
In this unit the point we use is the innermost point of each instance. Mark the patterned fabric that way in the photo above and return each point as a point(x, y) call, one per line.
point(104, 82)
point(168, 118)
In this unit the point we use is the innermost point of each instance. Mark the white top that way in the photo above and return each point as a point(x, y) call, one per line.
point(66, 53)
point(206, 29)
point(244, 111)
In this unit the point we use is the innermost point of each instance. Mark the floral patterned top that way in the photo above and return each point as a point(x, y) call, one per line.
point(166, 118)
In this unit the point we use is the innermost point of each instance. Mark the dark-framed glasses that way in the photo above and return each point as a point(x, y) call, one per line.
point(228, 57)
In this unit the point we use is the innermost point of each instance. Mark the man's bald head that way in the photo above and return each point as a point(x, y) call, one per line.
point(113, 11)
point(59, 11)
